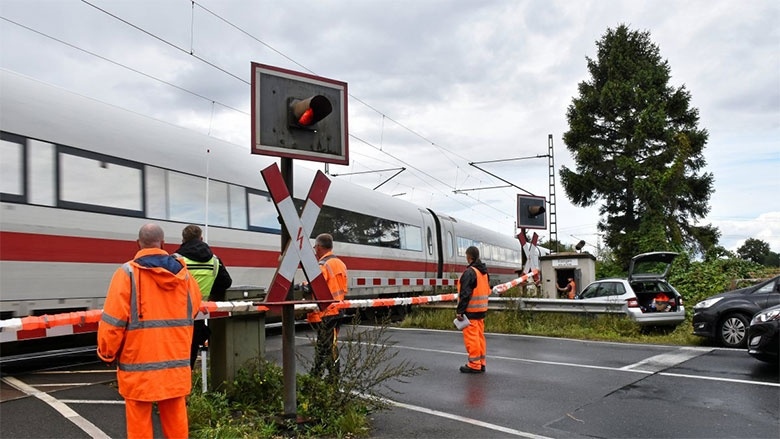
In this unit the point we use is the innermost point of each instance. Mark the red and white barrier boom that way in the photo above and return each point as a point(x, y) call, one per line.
point(501, 288)
point(79, 322)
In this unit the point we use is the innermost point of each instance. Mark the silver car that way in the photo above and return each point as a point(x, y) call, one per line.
point(649, 299)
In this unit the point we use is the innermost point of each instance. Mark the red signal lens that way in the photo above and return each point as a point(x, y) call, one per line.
point(307, 117)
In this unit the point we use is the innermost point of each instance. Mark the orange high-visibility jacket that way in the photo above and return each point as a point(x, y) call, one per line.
point(477, 304)
point(335, 273)
point(572, 289)
point(147, 326)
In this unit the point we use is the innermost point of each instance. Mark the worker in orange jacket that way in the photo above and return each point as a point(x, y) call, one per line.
point(473, 292)
point(146, 330)
point(328, 321)
point(570, 289)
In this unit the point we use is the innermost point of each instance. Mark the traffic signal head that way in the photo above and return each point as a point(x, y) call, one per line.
point(534, 211)
point(305, 113)
point(299, 116)
point(531, 212)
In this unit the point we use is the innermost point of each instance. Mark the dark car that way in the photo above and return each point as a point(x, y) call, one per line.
point(763, 339)
point(725, 317)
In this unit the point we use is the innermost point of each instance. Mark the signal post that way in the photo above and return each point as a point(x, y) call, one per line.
point(296, 115)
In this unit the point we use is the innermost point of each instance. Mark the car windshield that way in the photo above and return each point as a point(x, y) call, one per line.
point(766, 289)
point(603, 289)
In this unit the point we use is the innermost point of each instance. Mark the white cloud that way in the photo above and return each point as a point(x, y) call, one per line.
point(446, 83)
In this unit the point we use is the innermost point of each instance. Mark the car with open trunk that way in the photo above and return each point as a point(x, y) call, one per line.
point(648, 297)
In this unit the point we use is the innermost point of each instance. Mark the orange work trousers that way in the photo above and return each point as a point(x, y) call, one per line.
point(173, 417)
point(476, 346)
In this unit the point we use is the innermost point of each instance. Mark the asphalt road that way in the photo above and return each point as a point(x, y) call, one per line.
point(533, 387)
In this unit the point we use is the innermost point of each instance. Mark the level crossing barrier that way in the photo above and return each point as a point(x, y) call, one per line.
point(80, 322)
point(31, 327)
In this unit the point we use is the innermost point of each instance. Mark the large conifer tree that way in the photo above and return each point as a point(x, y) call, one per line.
point(638, 150)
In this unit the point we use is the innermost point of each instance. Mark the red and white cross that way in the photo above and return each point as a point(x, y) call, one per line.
point(300, 229)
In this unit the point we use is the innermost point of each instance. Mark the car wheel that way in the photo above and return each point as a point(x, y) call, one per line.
point(732, 331)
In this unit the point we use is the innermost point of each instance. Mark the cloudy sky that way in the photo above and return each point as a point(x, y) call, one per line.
point(433, 86)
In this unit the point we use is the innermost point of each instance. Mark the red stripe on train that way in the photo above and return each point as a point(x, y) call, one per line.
point(32, 247)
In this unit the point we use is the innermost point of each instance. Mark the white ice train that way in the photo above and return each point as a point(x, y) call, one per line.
point(79, 177)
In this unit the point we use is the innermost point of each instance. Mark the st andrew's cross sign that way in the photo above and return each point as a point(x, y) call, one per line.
point(300, 229)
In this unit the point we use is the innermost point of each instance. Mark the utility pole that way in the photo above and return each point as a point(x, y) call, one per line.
point(551, 164)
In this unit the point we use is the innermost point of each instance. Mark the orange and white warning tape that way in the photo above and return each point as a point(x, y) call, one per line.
point(53, 325)
point(502, 288)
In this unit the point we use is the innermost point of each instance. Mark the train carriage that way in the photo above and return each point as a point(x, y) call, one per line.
point(79, 177)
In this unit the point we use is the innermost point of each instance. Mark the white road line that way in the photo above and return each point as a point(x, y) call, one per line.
point(669, 359)
point(663, 361)
point(60, 407)
point(726, 380)
point(93, 401)
point(471, 421)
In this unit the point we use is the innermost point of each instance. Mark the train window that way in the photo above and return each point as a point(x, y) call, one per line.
point(41, 182)
point(484, 251)
point(218, 204)
point(262, 212)
point(186, 201)
point(185, 198)
point(357, 228)
point(463, 244)
point(12, 168)
point(156, 193)
point(237, 203)
point(88, 179)
point(450, 245)
point(430, 241)
point(411, 237)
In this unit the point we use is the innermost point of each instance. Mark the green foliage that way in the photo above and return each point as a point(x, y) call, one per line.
point(638, 150)
point(250, 406)
point(697, 280)
point(754, 250)
point(215, 415)
point(772, 259)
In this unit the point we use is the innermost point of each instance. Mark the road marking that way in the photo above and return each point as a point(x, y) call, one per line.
point(726, 380)
point(471, 421)
point(93, 401)
point(63, 384)
point(60, 407)
point(658, 359)
point(663, 361)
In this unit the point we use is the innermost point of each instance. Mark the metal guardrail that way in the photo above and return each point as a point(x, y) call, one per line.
point(548, 305)
point(558, 305)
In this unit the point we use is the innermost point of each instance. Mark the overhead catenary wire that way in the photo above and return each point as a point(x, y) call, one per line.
point(191, 52)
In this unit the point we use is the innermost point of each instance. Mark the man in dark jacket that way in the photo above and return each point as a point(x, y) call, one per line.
point(473, 292)
point(211, 274)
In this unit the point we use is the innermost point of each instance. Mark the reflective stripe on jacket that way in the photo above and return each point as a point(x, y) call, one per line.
point(147, 326)
point(335, 273)
point(205, 273)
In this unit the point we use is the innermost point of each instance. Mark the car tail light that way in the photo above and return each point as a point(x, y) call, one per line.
point(632, 303)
